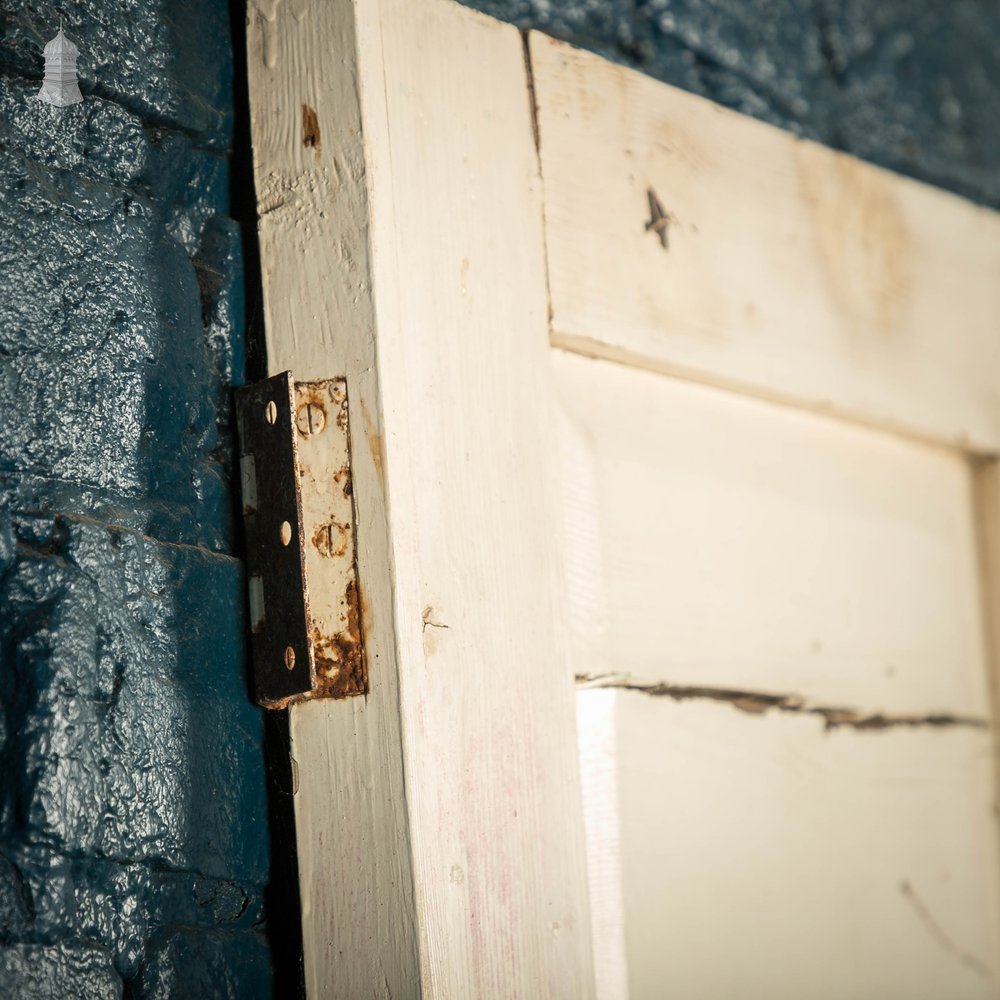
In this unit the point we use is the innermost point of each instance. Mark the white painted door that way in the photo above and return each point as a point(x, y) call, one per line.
point(673, 447)
point(779, 423)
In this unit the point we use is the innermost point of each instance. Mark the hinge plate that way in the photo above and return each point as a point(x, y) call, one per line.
point(301, 552)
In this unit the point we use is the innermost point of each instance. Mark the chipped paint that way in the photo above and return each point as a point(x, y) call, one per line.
point(331, 539)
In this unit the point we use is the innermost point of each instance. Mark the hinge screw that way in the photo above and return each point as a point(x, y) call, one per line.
point(310, 418)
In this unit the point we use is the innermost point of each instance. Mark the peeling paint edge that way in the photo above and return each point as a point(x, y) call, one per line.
point(759, 702)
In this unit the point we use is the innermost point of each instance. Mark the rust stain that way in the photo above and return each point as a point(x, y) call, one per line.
point(310, 418)
point(311, 410)
point(366, 614)
point(376, 443)
point(339, 659)
point(330, 539)
point(312, 393)
point(314, 402)
point(334, 634)
point(343, 476)
point(310, 130)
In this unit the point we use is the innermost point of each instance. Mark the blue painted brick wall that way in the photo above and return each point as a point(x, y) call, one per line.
point(133, 836)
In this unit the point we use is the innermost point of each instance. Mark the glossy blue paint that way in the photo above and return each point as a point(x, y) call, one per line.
point(133, 814)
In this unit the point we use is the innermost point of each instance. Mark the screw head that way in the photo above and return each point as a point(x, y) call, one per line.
point(271, 412)
point(289, 658)
point(310, 418)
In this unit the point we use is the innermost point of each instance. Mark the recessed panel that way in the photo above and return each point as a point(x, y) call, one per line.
point(743, 544)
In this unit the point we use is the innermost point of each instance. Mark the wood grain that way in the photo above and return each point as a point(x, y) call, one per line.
point(487, 702)
point(359, 911)
point(790, 271)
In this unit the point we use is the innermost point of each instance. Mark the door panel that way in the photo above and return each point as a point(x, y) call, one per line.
point(749, 545)
point(777, 368)
point(783, 612)
point(780, 267)
point(766, 859)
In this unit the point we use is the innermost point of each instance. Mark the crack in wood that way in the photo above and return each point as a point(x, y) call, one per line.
point(759, 702)
point(529, 74)
point(939, 934)
point(429, 622)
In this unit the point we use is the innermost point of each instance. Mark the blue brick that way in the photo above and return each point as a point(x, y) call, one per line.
point(220, 967)
point(52, 972)
point(133, 795)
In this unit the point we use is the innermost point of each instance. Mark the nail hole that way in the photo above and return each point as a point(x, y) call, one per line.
point(289, 658)
point(659, 219)
point(271, 412)
point(286, 532)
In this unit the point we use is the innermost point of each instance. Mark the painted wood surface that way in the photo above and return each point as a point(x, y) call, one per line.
point(986, 504)
point(355, 870)
point(439, 820)
point(780, 268)
point(784, 705)
point(746, 545)
point(766, 859)
point(597, 721)
point(580, 528)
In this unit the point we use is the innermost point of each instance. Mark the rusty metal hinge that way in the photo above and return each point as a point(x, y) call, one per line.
point(298, 508)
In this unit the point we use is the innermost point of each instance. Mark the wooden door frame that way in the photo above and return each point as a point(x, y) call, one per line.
point(439, 821)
